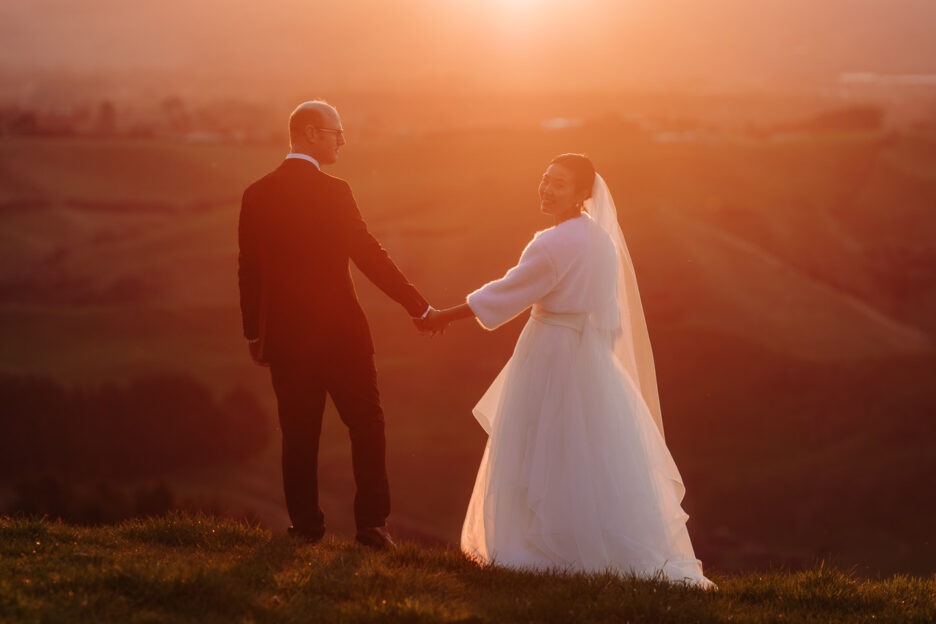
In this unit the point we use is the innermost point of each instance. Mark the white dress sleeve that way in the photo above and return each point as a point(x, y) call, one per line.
point(497, 302)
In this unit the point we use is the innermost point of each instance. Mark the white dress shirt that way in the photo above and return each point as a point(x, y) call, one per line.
point(303, 157)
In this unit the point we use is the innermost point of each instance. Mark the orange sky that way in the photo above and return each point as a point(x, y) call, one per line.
point(478, 44)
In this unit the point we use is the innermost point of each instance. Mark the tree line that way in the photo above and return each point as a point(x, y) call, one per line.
point(148, 427)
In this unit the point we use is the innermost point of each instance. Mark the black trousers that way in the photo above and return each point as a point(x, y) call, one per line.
point(301, 385)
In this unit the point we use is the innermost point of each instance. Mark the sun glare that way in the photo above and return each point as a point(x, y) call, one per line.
point(516, 6)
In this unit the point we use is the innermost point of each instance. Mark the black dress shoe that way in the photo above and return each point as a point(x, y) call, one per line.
point(309, 535)
point(377, 538)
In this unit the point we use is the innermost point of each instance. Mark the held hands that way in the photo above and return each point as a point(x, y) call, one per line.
point(437, 321)
point(433, 323)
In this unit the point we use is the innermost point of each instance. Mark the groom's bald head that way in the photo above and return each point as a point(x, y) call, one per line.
point(315, 129)
point(312, 113)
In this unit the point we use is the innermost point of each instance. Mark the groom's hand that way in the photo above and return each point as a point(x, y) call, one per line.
point(422, 322)
point(255, 354)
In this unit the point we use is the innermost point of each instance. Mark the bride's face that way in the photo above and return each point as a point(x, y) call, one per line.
point(557, 191)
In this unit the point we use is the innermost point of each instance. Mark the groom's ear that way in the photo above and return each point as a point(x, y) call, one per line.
point(309, 133)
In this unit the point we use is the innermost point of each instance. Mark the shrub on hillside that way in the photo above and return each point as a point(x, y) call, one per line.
point(151, 426)
point(59, 497)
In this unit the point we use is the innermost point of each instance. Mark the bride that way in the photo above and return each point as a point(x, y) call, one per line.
point(576, 474)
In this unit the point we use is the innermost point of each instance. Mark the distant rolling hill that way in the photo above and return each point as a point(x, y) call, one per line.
point(736, 286)
point(795, 375)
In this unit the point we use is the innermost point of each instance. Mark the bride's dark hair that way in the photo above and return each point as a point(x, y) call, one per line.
point(583, 171)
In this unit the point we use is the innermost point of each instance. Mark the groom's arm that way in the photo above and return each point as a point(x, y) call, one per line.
point(248, 267)
point(374, 261)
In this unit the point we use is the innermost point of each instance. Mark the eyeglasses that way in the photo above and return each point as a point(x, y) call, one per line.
point(338, 133)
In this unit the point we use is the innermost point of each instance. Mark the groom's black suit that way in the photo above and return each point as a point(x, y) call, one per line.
point(298, 229)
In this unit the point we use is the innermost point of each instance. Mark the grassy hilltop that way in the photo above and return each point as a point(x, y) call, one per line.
point(182, 568)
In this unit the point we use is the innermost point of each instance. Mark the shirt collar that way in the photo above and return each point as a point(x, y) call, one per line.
point(303, 157)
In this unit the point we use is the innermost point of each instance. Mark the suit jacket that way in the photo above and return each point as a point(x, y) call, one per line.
point(298, 229)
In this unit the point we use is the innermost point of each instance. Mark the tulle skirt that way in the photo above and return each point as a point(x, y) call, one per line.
point(575, 474)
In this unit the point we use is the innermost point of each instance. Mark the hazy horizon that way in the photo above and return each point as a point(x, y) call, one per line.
point(487, 45)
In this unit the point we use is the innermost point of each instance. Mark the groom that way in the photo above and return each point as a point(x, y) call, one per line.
point(298, 229)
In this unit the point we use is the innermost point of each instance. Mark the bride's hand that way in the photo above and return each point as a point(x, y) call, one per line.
point(436, 322)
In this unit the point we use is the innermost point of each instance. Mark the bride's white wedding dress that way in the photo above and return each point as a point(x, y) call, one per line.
point(576, 474)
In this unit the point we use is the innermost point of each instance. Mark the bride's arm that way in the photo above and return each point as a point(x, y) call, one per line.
point(439, 319)
point(497, 302)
